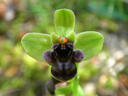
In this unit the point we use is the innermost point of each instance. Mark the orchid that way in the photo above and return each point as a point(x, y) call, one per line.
point(89, 42)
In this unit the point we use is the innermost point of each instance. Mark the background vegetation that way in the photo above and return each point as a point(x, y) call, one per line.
point(104, 75)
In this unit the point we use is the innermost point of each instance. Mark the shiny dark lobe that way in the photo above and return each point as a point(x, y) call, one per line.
point(62, 59)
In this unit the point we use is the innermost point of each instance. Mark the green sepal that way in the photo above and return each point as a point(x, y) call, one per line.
point(71, 37)
point(35, 44)
point(64, 21)
point(54, 38)
point(90, 43)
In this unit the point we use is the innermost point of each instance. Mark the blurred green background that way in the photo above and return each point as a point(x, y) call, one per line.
point(104, 75)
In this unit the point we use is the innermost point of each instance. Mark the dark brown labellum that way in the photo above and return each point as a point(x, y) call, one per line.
point(63, 67)
point(63, 59)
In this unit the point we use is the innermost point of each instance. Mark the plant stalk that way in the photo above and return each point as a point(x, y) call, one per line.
point(76, 83)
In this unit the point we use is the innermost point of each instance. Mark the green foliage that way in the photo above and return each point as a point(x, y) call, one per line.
point(109, 84)
point(110, 9)
point(64, 90)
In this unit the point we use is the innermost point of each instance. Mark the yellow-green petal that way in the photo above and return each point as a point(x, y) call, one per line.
point(64, 21)
point(71, 37)
point(90, 43)
point(35, 44)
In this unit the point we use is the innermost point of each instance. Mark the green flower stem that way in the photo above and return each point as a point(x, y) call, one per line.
point(76, 83)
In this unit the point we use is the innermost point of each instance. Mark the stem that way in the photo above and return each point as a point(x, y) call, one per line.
point(76, 83)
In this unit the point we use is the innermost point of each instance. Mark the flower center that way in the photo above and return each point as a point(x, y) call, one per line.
point(62, 40)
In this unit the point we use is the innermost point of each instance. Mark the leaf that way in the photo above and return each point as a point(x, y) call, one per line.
point(89, 42)
point(54, 37)
point(80, 91)
point(64, 22)
point(35, 44)
point(71, 37)
point(64, 90)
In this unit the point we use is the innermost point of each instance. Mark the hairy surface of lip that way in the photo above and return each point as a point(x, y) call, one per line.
point(62, 59)
point(64, 67)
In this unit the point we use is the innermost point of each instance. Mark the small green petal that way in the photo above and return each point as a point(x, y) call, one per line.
point(35, 44)
point(90, 43)
point(64, 22)
point(54, 38)
point(71, 37)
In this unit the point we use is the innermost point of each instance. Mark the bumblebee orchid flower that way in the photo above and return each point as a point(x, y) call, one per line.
point(63, 49)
